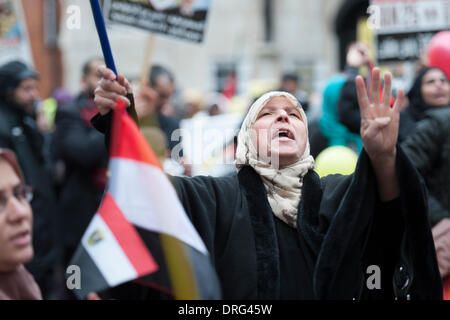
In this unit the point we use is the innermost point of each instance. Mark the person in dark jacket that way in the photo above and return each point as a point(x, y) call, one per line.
point(275, 230)
point(151, 102)
point(429, 150)
point(84, 156)
point(19, 132)
point(431, 89)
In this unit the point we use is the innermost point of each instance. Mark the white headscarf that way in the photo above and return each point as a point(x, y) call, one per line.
point(283, 185)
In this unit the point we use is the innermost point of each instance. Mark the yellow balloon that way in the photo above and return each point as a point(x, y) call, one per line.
point(336, 159)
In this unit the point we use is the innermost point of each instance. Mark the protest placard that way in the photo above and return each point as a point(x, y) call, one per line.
point(206, 142)
point(181, 19)
point(403, 28)
point(13, 37)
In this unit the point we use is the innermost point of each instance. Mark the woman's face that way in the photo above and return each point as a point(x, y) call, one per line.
point(435, 88)
point(278, 133)
point(15, 221)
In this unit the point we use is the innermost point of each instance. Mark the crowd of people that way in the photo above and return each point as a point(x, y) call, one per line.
point(53, 167)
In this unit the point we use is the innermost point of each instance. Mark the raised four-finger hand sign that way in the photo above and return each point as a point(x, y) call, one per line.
point(379, 122)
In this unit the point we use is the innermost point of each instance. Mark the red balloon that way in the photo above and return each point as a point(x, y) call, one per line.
point(439, 51)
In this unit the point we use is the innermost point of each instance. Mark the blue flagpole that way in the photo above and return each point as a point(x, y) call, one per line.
point(106, 48)
point(101, 30)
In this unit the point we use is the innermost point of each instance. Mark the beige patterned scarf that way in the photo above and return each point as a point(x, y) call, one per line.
point(284, 184)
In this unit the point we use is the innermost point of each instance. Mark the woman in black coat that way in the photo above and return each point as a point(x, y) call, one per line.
point(429, 150)
point(277, 231)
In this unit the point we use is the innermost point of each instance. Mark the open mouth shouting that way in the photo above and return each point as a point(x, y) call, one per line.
point(283, 134)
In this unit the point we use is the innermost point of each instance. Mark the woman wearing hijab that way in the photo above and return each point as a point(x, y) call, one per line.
point(430, 90)
point(275, 230)
point(16, 249)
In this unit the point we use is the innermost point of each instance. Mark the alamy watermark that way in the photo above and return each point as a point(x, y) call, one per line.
point(374, 20)
point(374, 280)
point(267, 144)
point(73, 21)
point(73, 281)
point(74, 277)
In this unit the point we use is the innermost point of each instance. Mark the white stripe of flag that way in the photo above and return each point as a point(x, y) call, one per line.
point(147, 185)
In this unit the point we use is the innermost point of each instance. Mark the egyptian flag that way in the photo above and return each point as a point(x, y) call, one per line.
point(141, 232)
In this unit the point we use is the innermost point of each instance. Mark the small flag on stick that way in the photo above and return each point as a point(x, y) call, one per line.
point(141, 231)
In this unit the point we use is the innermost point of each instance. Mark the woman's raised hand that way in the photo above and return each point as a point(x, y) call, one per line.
point(379, 122)
point(110, 89)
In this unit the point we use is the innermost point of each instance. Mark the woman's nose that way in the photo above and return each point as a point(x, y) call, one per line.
point(18, 210)
point(282, 116)
point(441, 84)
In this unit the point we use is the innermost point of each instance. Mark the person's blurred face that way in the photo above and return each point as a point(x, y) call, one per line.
point(26, 94)
point(145, 99)
point(15, 221)
point(165, 89)
point(435, 88)
point(290, 86)
point(279, 132)
point(89, 82)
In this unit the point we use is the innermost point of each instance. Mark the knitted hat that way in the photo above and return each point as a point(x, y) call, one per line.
point(12, 74)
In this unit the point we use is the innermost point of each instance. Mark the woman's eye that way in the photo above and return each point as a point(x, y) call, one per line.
point(295, 115)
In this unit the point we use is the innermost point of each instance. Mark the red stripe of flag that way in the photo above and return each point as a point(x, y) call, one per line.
point(127, 141)
point(127, 237)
